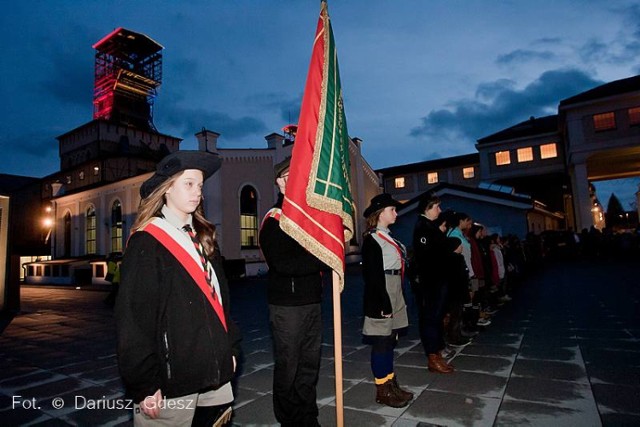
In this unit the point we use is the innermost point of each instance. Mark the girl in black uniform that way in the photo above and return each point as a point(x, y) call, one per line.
point(385, 311)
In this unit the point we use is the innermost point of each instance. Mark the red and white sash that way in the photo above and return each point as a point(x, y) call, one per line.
point(393, 243)
point(181, 247)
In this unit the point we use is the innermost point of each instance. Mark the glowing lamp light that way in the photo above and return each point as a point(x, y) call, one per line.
point(47, 222)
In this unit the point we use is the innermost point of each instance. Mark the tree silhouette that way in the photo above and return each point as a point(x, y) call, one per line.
point(615, 212)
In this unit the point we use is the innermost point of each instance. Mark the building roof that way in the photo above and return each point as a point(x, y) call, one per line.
point(11, 183)
point(448, 162)
point(533, 126)
point(616, 87)
point(95, 122)
point(128, 41)
point(485, 194)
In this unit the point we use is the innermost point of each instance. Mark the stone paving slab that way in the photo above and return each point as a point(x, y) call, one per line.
point(556, 355)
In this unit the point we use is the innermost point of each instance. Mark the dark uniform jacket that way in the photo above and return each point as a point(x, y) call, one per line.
point(169, 336)
point(376, 297)
point(294, 273)
point(458, 274)
point(429, 254)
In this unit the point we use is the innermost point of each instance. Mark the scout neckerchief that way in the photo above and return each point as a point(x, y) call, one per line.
point(386, 236)
point(189, 259)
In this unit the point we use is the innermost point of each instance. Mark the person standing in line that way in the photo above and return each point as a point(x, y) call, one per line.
point(430, 277)
point(294, 294)
point(385, 310)
point(478, 281)
point(458, 291)
point(177, 345)
point(113, 276)
point(498, 269)
point(460, 224)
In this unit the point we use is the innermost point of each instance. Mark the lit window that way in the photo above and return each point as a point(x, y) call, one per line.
point(604, 121)
point(548, 151)
point(248, 218)
point(634, 116)
point(469, 172)
point(525, 154)
point(90, 218)
point(68, 179)
point(432, 178)
point(81, 175)
point(116, 227)
point(96, 170)
point(503, 158)
point(399, 182)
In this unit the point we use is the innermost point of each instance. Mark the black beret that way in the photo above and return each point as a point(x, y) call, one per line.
point(380, 201)
point(179, 161)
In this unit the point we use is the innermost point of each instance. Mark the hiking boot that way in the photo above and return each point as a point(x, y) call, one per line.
point(404, 394)
point(437, 364)
point(386, 395)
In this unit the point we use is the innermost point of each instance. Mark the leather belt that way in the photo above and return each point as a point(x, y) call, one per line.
point(393, 272)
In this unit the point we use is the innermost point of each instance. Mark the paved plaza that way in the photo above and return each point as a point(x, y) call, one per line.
point(564, 352)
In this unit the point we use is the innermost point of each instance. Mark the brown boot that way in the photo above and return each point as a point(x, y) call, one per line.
point(404, 394)
point(385, 394)
point(445, 361)
point(437, 364)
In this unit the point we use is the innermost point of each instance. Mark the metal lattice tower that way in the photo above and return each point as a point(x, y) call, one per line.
point(128, 71)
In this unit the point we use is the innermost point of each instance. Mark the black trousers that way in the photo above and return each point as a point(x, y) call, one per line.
point(297, 337)
point(431, 302)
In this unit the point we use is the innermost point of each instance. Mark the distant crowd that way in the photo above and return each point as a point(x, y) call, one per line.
point(590, 243)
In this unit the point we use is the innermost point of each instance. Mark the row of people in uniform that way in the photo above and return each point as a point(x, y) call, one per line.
point(177, 344)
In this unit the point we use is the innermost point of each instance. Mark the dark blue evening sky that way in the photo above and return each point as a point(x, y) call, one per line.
point(421, 79)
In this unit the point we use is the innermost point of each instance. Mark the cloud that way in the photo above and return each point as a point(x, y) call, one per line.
point(34, 153)
point(624, 49)
point(498, 105)
point(190, 121)
point(548, 40)
point(522, 55)
point(70, 75)
point(34, 143)
point(287, 107)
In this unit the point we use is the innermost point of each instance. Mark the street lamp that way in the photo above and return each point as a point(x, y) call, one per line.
point(47, 223)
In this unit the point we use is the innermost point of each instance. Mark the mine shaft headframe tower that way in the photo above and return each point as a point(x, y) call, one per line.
point(128, 71)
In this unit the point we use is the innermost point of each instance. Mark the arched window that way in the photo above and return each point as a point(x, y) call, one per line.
point(90, 231)
point(116, 227)
point(248, 218)
point(67, 235)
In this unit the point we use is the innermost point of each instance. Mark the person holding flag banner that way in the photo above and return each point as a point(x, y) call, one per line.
point(294, 293)
point(318, 209)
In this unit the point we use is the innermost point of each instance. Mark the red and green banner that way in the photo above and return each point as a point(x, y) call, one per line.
point(318, 207)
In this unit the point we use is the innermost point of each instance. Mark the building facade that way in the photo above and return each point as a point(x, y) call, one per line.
point(406, 182)
point(554, 159)
point(93, 199)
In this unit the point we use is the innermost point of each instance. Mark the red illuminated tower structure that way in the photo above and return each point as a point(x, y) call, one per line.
point(128, 70)
point(121, 141)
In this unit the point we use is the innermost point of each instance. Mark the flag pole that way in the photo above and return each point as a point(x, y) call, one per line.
point(337, 347)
